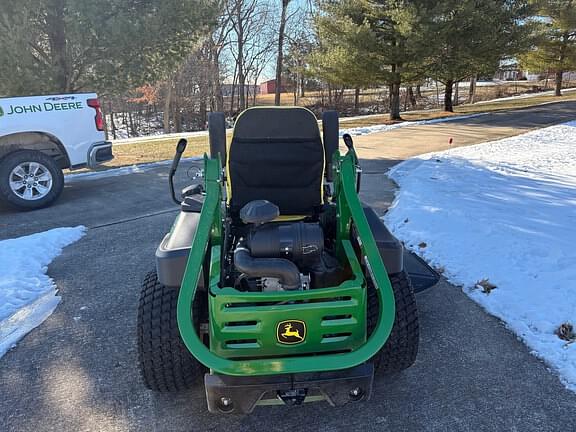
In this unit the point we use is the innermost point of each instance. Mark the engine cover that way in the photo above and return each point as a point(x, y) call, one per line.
point(301, 243)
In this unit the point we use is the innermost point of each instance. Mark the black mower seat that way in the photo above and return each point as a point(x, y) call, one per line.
point(276, 154)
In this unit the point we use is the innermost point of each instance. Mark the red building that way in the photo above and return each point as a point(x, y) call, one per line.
point(269, 87)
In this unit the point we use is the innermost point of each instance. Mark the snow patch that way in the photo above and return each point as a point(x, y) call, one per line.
point(27, 294)
point(366, 130)
point(502, 213)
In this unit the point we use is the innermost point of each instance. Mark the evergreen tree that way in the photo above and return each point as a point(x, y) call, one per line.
point(555, 48)
point(469, 37)
point(367, 42)
point(64, 46)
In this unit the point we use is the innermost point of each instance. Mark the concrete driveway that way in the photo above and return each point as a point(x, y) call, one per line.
point(77, 371)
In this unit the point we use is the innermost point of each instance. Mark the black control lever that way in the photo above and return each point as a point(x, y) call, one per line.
point(348, 141)
point(180, 147)
point(350, 144)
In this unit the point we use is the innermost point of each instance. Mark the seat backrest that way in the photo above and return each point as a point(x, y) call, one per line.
point(276, 154)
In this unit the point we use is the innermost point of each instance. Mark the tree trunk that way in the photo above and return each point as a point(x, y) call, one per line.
point(177, 119)
point(395, 95)
point(412, 97)
point(112, 122)
point(394, 90)
point(559, 73)
point(558, 83)
point(218, 95)
point(56, 32)
point(472, 90)
point(131, 125)
point(255, 89)
point(167, 104)
point(217, 85)
point(302, 84)
point(240, 61)
point(203, 112)
point(448, 96)
point(456, 93)
point(418, 91)
point(232, 92)
point(356, 99)
point(279, 59)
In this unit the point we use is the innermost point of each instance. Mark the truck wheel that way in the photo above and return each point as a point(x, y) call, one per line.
point(30, 179)
point(165, 363)
point(400, 350)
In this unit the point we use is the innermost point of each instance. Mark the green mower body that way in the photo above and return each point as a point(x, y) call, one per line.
point(263, 338)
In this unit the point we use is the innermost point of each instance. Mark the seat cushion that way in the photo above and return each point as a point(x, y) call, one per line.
point(276, 154)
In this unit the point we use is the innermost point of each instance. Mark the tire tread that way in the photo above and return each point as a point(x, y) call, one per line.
point(166, 364)
point(401, 349)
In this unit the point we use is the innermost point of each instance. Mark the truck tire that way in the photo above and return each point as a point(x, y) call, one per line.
point(30, 179)
point(400, 350)
point(166, 365)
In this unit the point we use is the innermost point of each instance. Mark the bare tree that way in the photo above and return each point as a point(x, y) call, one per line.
point(217, 42)
point(250, 46)
point(279, 58)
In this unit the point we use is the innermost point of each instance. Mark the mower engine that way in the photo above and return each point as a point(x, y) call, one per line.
point(279, 256)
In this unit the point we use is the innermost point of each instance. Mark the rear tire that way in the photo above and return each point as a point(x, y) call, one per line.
point(166, 364)
point(42, 192)
point(400, 350)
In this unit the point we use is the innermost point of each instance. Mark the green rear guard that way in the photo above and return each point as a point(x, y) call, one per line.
point(243, 325)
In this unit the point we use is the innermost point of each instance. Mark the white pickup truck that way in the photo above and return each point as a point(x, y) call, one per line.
point(42, 135)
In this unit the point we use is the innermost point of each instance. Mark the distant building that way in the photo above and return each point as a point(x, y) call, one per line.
point(269, 87)
point(250, 89)
point(509, 71)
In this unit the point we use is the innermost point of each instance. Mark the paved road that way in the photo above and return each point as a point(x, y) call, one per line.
point(77, 371)
point(409, 141)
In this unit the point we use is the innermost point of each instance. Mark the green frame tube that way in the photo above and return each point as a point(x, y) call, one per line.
point(209, 233)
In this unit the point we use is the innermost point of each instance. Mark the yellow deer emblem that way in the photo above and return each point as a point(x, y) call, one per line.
point(291, 332)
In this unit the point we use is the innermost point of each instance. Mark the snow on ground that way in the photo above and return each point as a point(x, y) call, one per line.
point(27, 294)
point(504, 211)
point(352, 131)
point(366, 130)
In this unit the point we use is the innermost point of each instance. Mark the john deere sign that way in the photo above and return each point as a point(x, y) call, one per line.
point(44, 107)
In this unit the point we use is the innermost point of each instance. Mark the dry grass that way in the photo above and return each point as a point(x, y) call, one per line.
point(486, 286)
point(156, 149)
point(459, 110)
point(566, 332)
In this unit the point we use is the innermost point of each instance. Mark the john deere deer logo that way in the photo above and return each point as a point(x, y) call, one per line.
point(291, 332)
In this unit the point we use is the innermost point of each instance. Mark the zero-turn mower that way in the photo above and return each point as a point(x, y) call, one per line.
point(276, 284)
